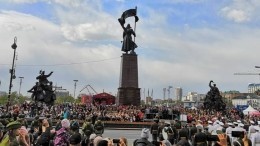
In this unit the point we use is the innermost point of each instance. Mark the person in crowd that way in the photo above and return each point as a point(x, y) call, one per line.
point(99, 127)
point(154, 129)
point(44, 133)
point(75, 139)
point(24, 138)
point(143, 141)
point(62, 136)
point(13, 131)
point(122, 141)
point(255, 138)
point(200, 138)
point(183, 138)
point(251, 129)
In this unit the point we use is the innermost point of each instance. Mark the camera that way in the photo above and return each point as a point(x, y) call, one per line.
point(116, 140)
point(212, 138)
point(237, 133)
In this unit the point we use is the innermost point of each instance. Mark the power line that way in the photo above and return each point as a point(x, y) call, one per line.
point(64, 64)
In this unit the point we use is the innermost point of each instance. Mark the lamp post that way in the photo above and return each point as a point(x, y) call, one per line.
point(75, 85)
point(21, 80)
point(12, 72)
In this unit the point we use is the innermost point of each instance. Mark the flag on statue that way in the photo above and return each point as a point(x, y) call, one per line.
point(128, 13)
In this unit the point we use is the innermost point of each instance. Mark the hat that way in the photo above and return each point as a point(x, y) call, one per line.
point(230, 124)
point(199, 121)
point(235, 123)
point(75, 139)
point(13, 125)
point(257, 128)
point(199, 127)
point(241, 125)
point(145, 133)
point(238, 121)
point(210, 122)
point(221, 123)
point(65, 123)
point(252, 122)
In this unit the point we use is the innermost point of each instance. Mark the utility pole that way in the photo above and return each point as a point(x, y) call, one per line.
point(21, 80)
point(75, 85)
point(12, 75)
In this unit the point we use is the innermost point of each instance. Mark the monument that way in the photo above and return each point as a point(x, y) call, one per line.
point(213, 100)
point(42, 91)
point(128, 91)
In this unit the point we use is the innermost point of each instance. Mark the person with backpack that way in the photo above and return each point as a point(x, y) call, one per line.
point(143, 141)
point(87, 129)
point(62, 135)
point(99, 127)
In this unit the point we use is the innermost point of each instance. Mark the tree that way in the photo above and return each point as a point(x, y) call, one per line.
point(61, 100)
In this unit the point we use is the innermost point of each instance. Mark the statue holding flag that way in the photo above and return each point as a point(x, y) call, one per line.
point(128, 42)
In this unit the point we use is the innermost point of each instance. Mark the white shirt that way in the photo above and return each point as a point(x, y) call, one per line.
point(255, 138)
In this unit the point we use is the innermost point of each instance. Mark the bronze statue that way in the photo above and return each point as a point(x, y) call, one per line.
point(42, 90)
point(213, 100)
point(128, 44)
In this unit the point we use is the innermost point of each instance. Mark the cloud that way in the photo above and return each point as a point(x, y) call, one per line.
point(235, 15)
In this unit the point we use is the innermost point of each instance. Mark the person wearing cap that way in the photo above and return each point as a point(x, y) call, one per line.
point(199, 123)
point(229, 130)
point(13, 130)
point(210, 127)
point(200, 138)
point(99, 127)
point(255, 138)
point(144, 138)
point(251, 129)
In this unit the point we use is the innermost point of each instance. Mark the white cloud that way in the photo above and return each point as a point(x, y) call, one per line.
point(235, 15)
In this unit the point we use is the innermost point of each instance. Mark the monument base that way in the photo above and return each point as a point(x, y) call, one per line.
point(129, 96)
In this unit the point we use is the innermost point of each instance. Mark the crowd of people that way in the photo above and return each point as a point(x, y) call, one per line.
point(60, 125)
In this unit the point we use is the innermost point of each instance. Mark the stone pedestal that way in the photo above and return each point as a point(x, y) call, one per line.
point(128, 91)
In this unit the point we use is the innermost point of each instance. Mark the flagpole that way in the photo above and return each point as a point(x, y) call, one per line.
point(135, 24)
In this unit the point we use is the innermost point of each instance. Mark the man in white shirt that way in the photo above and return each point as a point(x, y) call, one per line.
point(251, 129)
point(255, 138)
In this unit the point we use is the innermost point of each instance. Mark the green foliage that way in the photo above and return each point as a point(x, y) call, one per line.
point(69, 99)
point(14, 99)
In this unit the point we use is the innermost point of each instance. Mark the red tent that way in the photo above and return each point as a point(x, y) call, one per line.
point(104, 98)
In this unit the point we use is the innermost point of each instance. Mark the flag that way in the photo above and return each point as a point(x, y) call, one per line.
point(128, 13)
point(152, 93)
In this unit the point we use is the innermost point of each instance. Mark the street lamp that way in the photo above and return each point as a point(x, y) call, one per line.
point(21, 80)
point(75, 85)
point(12, 72)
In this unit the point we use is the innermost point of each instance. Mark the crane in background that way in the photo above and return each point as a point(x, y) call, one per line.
point(87, 87)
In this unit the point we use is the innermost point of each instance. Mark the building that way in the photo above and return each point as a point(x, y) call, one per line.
point(178, 93)
point(60, 93)
point(249, 99)
point(252, 87)
point(193, 99)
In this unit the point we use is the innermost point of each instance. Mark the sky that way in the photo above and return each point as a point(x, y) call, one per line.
point(181, 43)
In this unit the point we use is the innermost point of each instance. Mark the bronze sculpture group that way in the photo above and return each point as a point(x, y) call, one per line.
point(213, 100)
point(42, 91)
